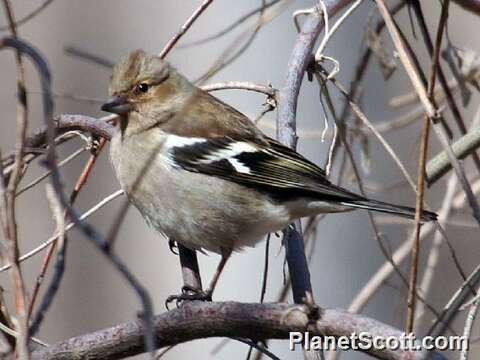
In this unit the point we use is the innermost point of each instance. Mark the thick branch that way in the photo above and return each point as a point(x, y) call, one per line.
point(287, 133)
point(64, 123)
point(195, 320)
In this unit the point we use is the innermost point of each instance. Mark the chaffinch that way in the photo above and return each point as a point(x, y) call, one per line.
point(202, 173)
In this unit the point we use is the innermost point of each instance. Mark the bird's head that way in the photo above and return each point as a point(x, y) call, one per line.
point(144, 84)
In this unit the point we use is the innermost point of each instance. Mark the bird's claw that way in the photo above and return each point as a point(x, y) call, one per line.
point(189, 294)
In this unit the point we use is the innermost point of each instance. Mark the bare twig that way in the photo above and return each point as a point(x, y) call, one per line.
point(171, 43)
point(59, 264)
point(440, 164)
point(68, 227)
point(412, 290)
point(86, 229)
point(241, 85)
point(450, 310)
point(30, 16)
point(430, 109)
point(65, 123)
point(443, 80)
point(387, 269)
point(37, 142)
point(47, 173)
point(85, 55)
point(379, 136)
point(241, 43)
point(467, 330)
point(230, 27)
point(434, 251)
point(17, 172)
point(286, 134)
point(59, 217)
point(329, 33)
point(451, 202)
point(369, 125)
point(15, 335)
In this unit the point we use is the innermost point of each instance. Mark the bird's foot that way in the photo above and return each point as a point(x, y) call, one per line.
point(189, 294)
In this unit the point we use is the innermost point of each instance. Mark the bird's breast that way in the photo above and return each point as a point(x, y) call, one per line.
point(197, 210)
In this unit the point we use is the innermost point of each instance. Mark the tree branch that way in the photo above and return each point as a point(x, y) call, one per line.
point(287, 134)
point(440, 164)
point(195, 320)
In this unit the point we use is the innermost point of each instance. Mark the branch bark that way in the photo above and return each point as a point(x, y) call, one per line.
point(287, 98)
point(195, 320)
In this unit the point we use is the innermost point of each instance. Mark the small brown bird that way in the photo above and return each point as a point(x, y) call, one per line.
point(202, 173)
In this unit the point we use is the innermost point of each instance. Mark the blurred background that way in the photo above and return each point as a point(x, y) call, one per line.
point(93, 295)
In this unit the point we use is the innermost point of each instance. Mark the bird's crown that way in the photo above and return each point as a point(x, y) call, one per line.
point(135, 68)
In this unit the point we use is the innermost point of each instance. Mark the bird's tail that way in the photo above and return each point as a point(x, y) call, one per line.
point(380, 206)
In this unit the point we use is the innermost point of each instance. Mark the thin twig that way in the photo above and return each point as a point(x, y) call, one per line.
point(440, 163)
point(230, 27)
point(68, 227)
point(15, 334)
point(443, 80)
point(30, 16)
point(467, 330)
point(450, 310)
point(242, 42)
point(59, 264)
point(422, 159)
point(434, 251)
point(47, 173)
point(241, 85)
point(329, 33)
point(11, 231)
point(431, 111)
point(85, 55)
point(85, 228)
point(59, 217)
point(387, 269)
point(373, 223)
point(171, 43)
point(368, 124)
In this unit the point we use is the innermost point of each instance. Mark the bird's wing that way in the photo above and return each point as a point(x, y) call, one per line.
point(269, 167)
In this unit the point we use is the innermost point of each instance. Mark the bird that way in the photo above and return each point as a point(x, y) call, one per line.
point(202, 174)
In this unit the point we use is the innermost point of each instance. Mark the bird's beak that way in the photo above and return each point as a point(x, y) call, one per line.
point(117, 105)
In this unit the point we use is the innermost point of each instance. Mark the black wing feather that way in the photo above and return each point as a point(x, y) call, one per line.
point(274, 169)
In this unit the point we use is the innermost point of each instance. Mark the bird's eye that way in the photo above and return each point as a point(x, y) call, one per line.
point(142, 87)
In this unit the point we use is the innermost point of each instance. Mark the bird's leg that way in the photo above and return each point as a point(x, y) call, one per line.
point(225, 256)
point(192, 288)
point(190, 271)
point(192, 283)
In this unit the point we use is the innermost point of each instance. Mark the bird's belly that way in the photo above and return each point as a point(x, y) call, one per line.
point(204, 212)
point(199, 211)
